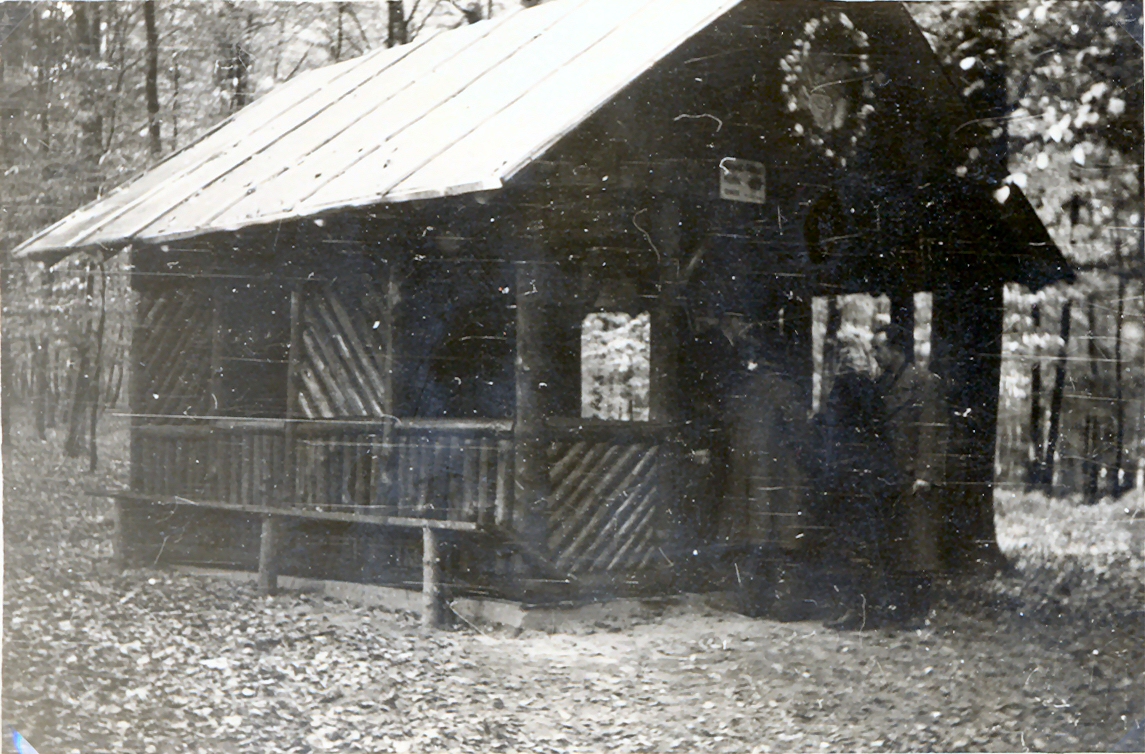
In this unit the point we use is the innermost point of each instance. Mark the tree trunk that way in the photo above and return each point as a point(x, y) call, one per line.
point(73, 445)
point(175, 101)
point(42, 88)
point(1093, 428)
point(118, 367)
point(235, 65)
point(1056, 401)
point(40, 386)
point(398, 26)
point(91, 120)
point(1089, 463)
point(81, 393)
point(6, 366)
point(93, 450)
point(338, 43)
point(1119, 485)
point(52, 401)
point(1037, 443)
point(152, 78)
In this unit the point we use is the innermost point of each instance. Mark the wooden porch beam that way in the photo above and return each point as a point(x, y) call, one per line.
point(294, 511)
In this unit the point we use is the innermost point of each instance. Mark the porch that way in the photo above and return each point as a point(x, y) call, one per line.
point(213, 490)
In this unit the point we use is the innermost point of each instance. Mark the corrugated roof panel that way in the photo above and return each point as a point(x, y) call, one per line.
point(229, 139)
point(397, 121)
point(503, 85)
point(457, 112)
point(268, 182)
point(507, 141)
point(265, 134)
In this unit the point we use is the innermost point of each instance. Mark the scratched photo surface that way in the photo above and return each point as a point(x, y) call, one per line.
point(572, 376)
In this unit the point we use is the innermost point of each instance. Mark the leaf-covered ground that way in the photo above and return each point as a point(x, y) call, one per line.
point(1051, 657)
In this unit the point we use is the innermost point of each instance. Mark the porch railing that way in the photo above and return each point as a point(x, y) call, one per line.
point(438, 469)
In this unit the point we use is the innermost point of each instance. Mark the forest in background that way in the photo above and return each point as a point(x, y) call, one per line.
point(92, 93)
point(1057, 88)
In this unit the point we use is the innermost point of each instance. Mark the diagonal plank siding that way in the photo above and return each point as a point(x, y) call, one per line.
point(607, 511)
point(174, 347)
point(341, 368)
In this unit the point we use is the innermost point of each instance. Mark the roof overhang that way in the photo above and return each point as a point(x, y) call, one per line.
point(450, 114)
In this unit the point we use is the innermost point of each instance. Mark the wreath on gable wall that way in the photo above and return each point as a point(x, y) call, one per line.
point(828, 85)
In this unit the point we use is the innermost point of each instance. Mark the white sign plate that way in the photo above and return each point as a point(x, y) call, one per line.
point(743, 181)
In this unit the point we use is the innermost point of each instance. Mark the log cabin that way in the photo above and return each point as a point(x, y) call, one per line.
point(363, 300)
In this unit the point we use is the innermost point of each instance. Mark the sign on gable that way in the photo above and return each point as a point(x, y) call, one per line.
point(742, 181)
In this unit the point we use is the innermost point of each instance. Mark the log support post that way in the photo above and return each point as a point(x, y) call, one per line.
point(283, 486)
point(215, 380)
point(902, 318)
point(136, 390)
point(666, 230)
point(967, 338)
point(531, 477)
point(431, 597)
point(663, 399)
point(294, 356)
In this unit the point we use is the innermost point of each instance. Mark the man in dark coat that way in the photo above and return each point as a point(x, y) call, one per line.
point(916, 427)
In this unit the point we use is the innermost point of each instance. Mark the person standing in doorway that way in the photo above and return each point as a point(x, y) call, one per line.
point(858, 474)
point(763, 516)
point(916, 426)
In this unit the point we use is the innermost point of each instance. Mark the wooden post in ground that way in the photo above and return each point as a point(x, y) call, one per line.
point(267, 560)
point(138, 379)
point(215, 378)
point(430, 579)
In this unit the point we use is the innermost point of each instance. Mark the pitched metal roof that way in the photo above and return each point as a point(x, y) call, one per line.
point(457, 112)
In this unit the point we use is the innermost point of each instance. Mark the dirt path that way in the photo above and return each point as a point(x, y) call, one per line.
point(155, 661)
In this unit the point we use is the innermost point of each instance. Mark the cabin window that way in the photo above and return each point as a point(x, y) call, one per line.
point(616, 350)
point(842, 331)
